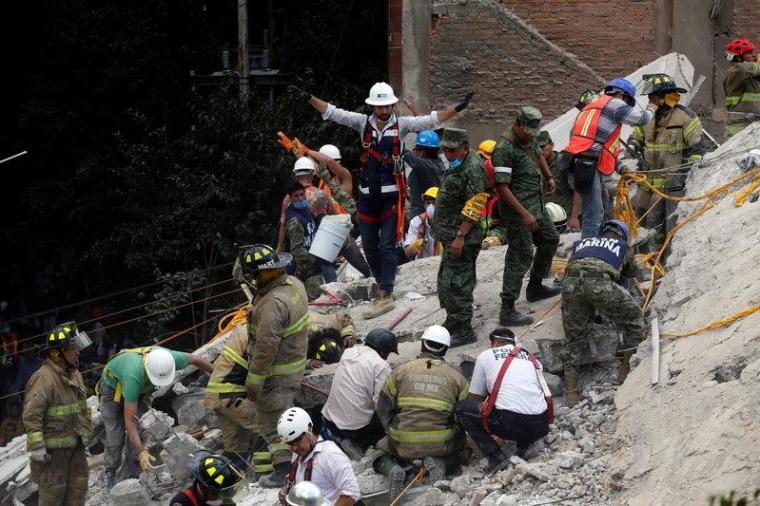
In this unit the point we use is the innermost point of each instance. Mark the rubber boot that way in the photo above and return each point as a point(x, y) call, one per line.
point(436, 468)
point(490, 242)
point(625, 366)
point(463, 335)
point(509, 316)
point(387, 466)
point(496, 462)
point(277, 478)
point(536, 290)
point(572, 394)
point(381, 305)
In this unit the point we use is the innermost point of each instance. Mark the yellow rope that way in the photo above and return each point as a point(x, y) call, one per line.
point(716, 324)
point(746, 192)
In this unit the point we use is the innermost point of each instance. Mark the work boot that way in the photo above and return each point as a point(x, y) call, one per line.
point(436, 468)
point(381, 305)
point(496, 462)
point(277, 478)
point(536, 290)
point(527, 452)
point(396, 475)
point(490, 242)
point(625, 366)
point(510, 316)
point(351, 449)
point(110, 478)
point(572, 394)
point(463, 335)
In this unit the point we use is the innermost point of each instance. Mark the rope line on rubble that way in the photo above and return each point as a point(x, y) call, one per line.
point(623, 210)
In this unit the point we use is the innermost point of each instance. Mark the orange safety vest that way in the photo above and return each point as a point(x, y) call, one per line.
point(326, 188)
point(584, 133)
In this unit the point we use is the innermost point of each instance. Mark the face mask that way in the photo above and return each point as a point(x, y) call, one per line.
point(215, 502)
point(430, 211)
point(455, 164)
point(301, 204)
point(672, 99)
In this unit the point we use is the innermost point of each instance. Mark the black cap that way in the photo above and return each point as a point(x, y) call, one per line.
point(502, 333)
point(382, 340)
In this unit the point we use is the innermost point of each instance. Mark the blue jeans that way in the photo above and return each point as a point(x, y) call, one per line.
point(592, 208)
point(379, 240)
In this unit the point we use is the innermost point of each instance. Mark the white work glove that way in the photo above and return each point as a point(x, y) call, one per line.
point(40, 455)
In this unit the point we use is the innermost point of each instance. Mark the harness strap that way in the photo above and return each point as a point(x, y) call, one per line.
point(191, 496)
point(306, 472)
point(374, 219)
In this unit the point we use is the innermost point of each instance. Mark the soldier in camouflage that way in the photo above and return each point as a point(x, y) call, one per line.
point(300, 229)
point(459, 235)
point(564, 194)
point(520, 170)
point(592, 284)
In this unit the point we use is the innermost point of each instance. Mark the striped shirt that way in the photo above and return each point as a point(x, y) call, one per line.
point(331, 471)
point(355, 388)
point(613, 114)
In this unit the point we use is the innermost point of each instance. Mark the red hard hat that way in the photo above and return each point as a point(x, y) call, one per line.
point(739, 47)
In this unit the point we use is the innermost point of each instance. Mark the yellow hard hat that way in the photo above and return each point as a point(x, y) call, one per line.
point(485, 149)
point(431, 192)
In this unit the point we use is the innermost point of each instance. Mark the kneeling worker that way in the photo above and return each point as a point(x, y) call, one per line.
point(213, 475)
point(512, 379)
point(130, 374)
point(416, 408)
point(316, 460)
point(592, 284)
point(349, 412)
point(57, 420)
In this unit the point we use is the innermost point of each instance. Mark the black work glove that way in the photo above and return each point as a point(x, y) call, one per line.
point(464, 103)
point(303, 94)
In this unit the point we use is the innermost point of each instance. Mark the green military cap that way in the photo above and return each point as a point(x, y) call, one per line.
point(530, 119)
point(544, 138)
point(453, 137)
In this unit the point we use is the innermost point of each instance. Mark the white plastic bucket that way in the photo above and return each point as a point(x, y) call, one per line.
point(330, 237)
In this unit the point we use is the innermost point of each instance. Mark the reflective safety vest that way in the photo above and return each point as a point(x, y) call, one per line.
point(230, 369)
point(585, 131)
point(425, 392)
point(56, 414)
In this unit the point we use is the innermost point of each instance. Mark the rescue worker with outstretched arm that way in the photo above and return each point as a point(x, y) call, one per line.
point(57, 420)
point(742, 86)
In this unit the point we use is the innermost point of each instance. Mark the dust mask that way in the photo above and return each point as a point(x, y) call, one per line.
point(454, 164)
point(301, 204)
point(430, 211)
point(671, 99)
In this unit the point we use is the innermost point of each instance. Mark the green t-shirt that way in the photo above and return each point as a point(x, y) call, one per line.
point(128, 368)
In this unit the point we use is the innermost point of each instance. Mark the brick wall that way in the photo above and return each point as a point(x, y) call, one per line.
point(480, 46)
point(746, 23)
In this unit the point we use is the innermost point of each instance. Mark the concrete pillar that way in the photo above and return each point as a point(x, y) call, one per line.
point(395, 20)
point(415, 50)
point(664, 33)
point(693, 36)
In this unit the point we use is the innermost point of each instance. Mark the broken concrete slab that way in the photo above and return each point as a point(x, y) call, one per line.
point(600, 346)
point(191, 411)
point(175, 453)
point(129, 493)
point(156, 426)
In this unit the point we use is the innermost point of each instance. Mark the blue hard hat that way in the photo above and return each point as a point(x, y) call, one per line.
point(623, 85)
point(617, 224)
point(428, 139)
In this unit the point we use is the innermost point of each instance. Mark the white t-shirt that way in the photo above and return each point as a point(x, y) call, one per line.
point(520, 390)
point(413, 231)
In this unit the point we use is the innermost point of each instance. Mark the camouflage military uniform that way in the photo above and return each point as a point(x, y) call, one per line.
point(517, 165)
point(456, 275)
point(563, 195)
point(307, 267)
point(591, 286)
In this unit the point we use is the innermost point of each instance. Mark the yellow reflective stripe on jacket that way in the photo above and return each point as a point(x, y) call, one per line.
point(235, 357)
point(690, 126)
point(256, 380)
point(67, 409)
point(425, 402)
point(695, 157)
point(289, 368)
point(659, 148)
point(463, 395)
point(225, 388)
point(733, 100)
point(277, 446)
point(391, 386)
point(61, 441)
point(421, 436)
point(296, 327)
point(34, 438)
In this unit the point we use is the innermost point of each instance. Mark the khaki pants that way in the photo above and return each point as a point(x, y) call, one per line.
point(63, 481)
point(235, 417)
point(270, 403)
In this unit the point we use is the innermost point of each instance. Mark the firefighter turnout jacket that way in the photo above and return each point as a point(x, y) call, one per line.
point(230, 369)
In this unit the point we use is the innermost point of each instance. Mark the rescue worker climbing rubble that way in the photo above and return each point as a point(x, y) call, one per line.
point(592, 284)
point(57, 420)
point(277, 352)
point(520, 171)
point(383, 187)
point(416, 407)
point(128, 378)
point(742, 86)
point(670, 145)
point(459, 206)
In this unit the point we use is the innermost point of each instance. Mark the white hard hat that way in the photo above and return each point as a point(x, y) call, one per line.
point(293, 423)
point(160, 367)
point(437, 334)
point(331, 151)
point(305, 493)
point(303, 164)
point(381, 94)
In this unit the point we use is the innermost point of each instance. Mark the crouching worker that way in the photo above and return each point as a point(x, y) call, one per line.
point(316, 460)
point(349, 413)
point(213, 477)
point(592, 284)
point(129, 375)
point(57, 420)
point(516, 409)
point(416, 407)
